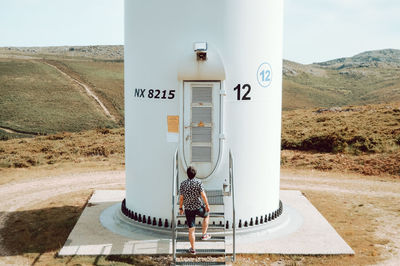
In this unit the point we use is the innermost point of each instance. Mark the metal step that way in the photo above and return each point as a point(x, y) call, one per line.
point(213, 200)
point(208, 252)
point(198, 238)
point(215, 197)
point(200, 263)
point(211, 227)
point(213, 193)
point(212, 215)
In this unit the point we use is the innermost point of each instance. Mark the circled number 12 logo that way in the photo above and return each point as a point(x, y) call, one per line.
point(264, 75)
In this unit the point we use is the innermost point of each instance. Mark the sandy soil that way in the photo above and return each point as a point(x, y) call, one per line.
point(373, 203)
point(380, 197)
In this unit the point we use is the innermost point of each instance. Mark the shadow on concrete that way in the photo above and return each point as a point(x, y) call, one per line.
point(37, 231)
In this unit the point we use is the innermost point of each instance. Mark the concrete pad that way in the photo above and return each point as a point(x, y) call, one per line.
point(301, 229)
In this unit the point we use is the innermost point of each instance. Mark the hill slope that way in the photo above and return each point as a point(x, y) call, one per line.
point(37, 99)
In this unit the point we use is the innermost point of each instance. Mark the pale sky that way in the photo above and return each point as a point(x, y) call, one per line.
point(61, 22)
point(315, 30)
point(320, 30)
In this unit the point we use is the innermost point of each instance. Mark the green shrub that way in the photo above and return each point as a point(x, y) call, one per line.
point(397, 140)
point(363, 144)
point(324, 143)
point(98, 151)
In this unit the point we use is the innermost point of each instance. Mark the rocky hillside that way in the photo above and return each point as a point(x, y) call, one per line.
point(107, 52)
point(367, 78)
point(380, 58)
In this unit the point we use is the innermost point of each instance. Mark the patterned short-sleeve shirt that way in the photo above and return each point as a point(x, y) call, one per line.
point(191, 192)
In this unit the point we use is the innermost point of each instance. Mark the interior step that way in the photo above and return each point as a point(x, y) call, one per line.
point(215, 200)
point(198, 238)
point(212, 215)
point(215, 197)
point(214, 193)
point(208, 252)
point(200, 263)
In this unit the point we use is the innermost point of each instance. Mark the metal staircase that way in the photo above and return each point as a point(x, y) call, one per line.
point(215, 248)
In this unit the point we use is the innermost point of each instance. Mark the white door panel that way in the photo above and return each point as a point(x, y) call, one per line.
point(201, 125)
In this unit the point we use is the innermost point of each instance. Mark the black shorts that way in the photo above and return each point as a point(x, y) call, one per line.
point(191, 215)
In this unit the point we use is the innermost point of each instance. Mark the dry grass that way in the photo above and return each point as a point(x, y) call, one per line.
point(382, 164)
point(106, 78)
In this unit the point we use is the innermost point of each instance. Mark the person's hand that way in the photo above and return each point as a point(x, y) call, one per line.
point(207, 208)
point(181, 211)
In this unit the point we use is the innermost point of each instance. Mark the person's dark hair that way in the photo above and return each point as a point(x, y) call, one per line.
point(191, 172)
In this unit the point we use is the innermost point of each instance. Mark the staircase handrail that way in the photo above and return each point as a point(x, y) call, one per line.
point(232, 190)
point(174, 195)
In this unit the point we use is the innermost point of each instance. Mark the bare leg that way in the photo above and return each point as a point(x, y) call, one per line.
point(205, 224)
point(192, 237)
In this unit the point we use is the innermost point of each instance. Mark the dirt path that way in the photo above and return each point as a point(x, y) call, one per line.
point(8, 130)
point(16, 195)
point(13, 131)
point(88, 90)
point(348, 186)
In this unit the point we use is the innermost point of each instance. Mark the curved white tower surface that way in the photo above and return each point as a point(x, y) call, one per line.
point(204, 77)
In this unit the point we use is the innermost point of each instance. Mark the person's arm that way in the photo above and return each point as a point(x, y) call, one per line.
point(181, 205)
point(204, 196)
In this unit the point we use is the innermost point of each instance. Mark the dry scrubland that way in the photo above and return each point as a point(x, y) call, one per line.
point(362, 139)
point(357, 139)
point(101, 146)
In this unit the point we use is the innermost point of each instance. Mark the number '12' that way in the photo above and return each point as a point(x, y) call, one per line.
point(266, 75)
point(246, 96)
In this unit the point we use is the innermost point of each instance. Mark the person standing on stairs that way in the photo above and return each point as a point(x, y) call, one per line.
point(191, 194)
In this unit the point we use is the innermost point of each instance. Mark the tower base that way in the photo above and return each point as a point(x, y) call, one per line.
point(103, 230)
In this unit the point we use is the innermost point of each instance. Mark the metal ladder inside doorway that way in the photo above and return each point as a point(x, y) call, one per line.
point(215, 248)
